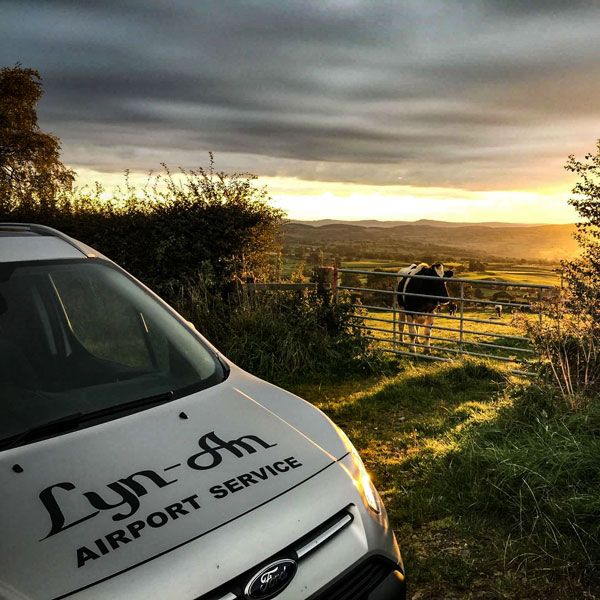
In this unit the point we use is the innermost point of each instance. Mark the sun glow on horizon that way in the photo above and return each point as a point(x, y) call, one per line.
point(314, 200)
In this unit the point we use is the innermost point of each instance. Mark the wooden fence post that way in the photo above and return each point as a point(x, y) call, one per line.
point(394, 321)
point(335, 282)
point(325, 283)
point(462, 315)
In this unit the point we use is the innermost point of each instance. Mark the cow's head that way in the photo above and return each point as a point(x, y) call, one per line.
point(437, 288)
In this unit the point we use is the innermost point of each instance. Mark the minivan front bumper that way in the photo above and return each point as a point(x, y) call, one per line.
point(393, 587)
point(374, 578)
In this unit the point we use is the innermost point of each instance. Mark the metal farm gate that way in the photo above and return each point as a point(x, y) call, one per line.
point(482, 324)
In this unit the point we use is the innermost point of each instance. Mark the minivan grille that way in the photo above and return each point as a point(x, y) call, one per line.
point(232, 590)
point(358, 583)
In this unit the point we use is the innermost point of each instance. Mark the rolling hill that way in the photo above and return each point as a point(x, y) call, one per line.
point(387, 224)
point(480, 240)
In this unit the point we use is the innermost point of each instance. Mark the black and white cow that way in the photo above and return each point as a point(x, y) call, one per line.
point(421, 303)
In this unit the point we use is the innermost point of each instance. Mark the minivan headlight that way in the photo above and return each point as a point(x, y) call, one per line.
point(370, 493)
point(361, 476)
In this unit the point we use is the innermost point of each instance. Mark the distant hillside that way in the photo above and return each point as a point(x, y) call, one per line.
point(388, 224)
point(548, 242)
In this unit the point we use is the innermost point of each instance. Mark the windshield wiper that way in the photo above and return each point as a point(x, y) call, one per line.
point(47, 429)
point(73, 421)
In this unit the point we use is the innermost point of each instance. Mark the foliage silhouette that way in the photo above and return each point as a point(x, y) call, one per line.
point(31, 173)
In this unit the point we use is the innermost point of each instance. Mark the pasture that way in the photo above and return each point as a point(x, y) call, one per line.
point(479, 338)
point(486, 315)
point(515, 273)
point(507, 272)
point(441, 445)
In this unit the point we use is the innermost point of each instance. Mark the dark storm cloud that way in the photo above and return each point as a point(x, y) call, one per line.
point(536, 7)
point(436, 92)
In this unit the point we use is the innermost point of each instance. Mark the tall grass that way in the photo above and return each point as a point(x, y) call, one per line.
point(540, 479)
point(571, 349)
point(281, 335)
point(492, 482)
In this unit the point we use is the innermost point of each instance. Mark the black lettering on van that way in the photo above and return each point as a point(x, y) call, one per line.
point(176, 510)
point(192, 501)
point(134, 528)
point(129, 491)
point(116, 538)
point(218, 491)
point(212, 444)
point(124, 494)
point(133, 531)
point(56, 514)
point(157, 519)
point(100, 544)
point(293, 462)
point(84, 554)
point(260, 474)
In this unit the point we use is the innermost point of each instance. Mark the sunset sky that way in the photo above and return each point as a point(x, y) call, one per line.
point(462, 111)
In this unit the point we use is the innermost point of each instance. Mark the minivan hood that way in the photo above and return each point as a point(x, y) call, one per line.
point(86, 506)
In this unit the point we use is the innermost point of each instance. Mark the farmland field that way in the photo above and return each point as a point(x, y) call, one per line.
point(507, 272)
point(483, 330)
point(482, 327)
point(517, 274)
point(416, 241)
point(536, 274)
point(477, 336)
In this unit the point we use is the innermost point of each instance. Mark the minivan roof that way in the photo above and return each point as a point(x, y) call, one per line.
point(21, 242)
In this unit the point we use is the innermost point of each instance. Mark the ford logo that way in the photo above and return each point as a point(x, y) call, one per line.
point(271, 580)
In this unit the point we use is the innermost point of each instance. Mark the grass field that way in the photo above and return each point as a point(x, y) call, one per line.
point(408, 428)
point(517, 274)
point(483, 329)
point(476, 337)
point(536, 274)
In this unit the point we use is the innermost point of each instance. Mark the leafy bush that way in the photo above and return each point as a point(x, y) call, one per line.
point(281, 335)
point(568, 342)
point(583, 273)
point(172, 230)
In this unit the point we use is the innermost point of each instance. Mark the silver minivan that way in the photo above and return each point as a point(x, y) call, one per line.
point(137, 462)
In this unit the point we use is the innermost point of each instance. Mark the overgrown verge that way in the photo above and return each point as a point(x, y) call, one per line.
point(491, 483)
point(282, 336)
point(537, 475)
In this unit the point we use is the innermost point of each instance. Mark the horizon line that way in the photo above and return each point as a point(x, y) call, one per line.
point(425, 220)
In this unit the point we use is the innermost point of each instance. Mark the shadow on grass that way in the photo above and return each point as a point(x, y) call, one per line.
point(404, 426)
point(423, 402)
point(452, 467)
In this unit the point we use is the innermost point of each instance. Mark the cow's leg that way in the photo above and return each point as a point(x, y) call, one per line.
point(401, 323)
point(422, 330)
point(427, 326)
point(412, 333)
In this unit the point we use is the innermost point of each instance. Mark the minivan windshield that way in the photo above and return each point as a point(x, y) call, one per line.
point(80, 337)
